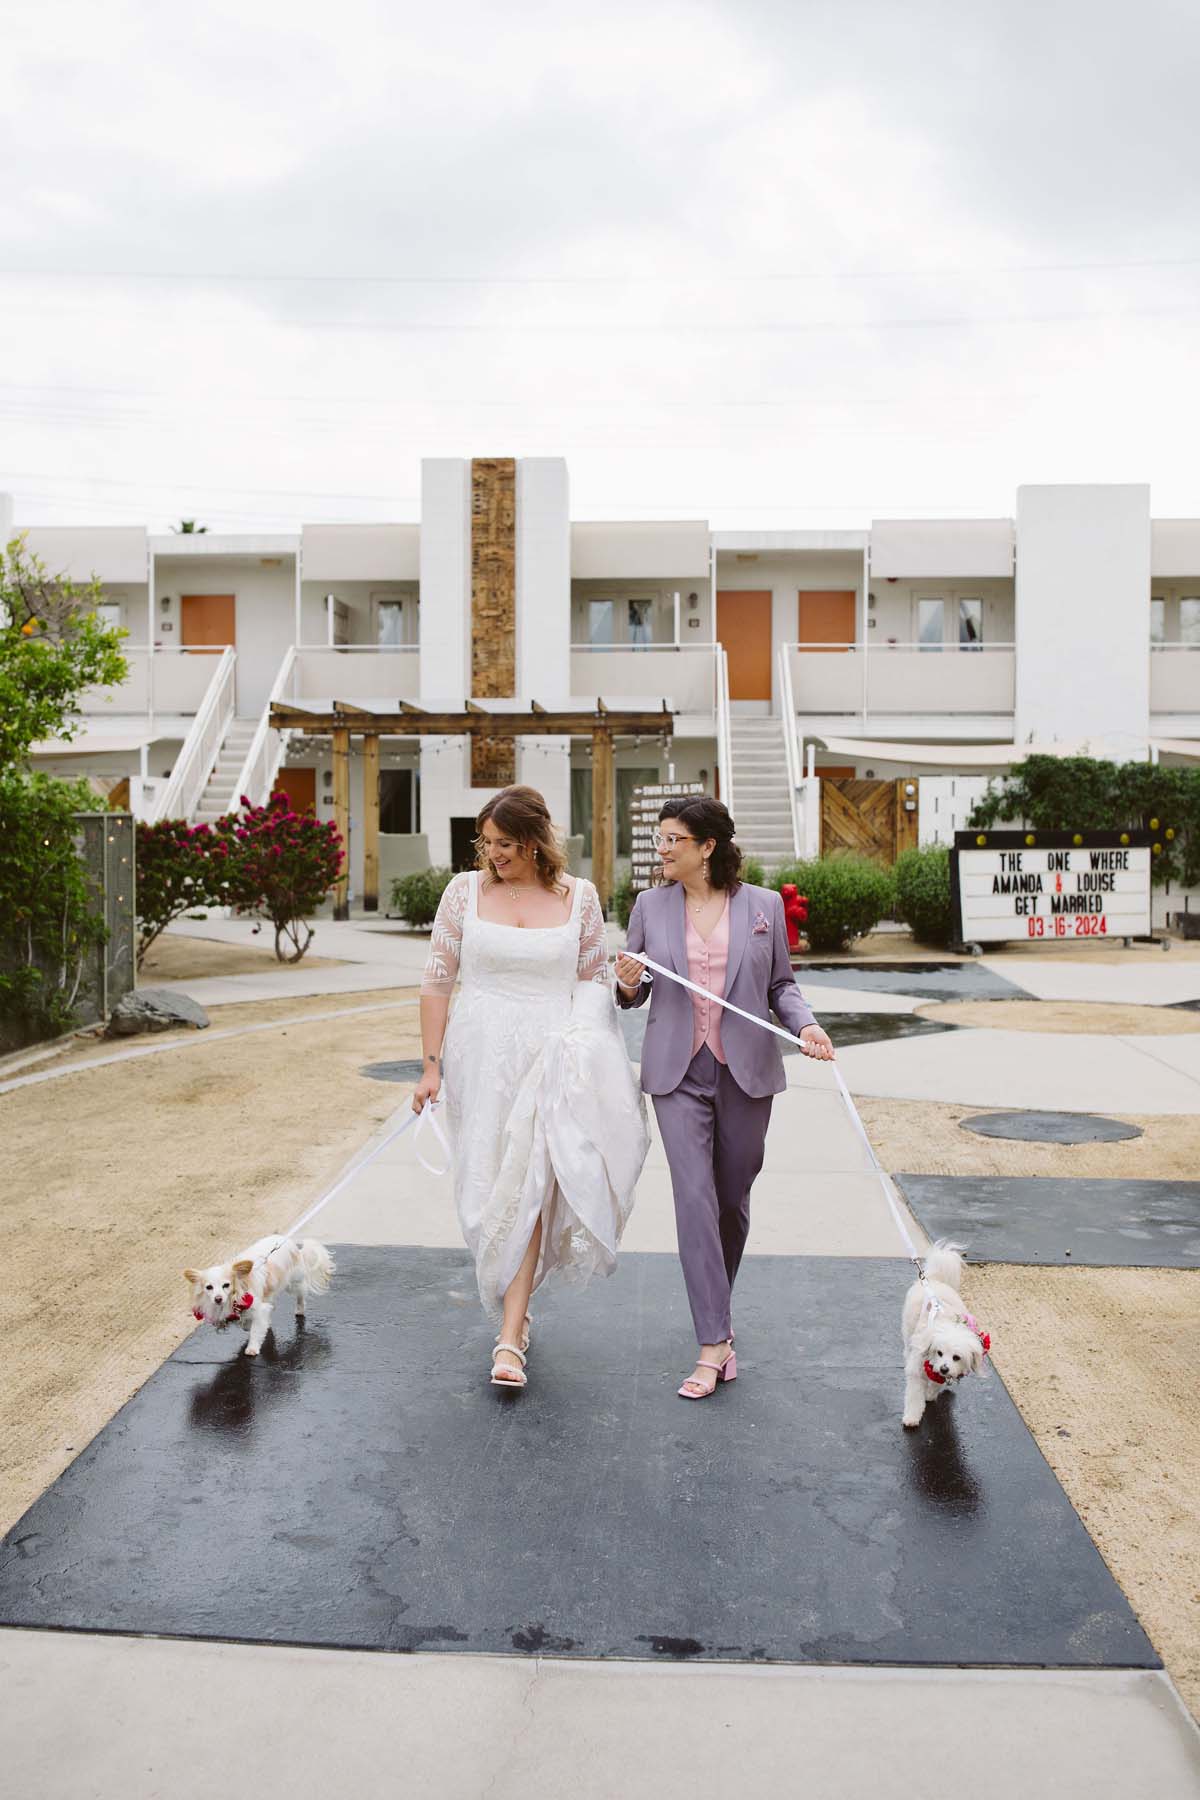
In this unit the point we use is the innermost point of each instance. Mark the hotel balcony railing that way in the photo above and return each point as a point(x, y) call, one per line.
point(1175, 678)
point(683, 674)
point(902, 678)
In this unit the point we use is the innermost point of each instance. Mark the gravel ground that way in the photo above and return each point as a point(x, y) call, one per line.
point(1065, 1015)
point(1105, 1367)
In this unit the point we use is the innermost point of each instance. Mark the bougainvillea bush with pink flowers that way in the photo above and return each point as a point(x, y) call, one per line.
point(280, 866)
point(179, 866)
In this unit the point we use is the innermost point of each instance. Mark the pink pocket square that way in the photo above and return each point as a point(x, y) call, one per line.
point(760, 925)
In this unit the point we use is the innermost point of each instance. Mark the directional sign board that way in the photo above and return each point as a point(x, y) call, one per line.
point(1057, 885)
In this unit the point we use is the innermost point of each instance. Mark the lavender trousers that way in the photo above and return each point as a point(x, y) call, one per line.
point(714, 1136)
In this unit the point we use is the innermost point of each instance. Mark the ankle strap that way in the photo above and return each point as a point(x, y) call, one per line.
point(515, 1350)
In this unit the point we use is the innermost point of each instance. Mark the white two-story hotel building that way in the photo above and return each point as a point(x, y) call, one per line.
point(915, 648)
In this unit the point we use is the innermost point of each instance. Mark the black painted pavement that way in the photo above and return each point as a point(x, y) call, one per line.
point(362, 1485)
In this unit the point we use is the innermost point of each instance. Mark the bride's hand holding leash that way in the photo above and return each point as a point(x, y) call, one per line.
point(430, 1085)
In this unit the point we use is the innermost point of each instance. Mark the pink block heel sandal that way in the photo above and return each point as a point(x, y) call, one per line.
point(726, 1371)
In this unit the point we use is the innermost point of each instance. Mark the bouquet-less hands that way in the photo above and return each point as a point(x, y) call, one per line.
point(813, 1040)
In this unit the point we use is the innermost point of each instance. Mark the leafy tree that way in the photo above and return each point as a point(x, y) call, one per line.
point(1081, 793)
point(281, 864)
point(53, 646)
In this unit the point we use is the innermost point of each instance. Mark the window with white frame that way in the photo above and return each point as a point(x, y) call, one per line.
point(109, 614)
point(970, 623)
point(931, 622)
point(1158, 620)
point(601, 621)
point(394, 620)
point(1189, 619)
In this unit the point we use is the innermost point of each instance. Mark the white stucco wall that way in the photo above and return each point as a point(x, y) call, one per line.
point(942, 547)
point(784, 575)
point(113, 552)
point(640, 549)
point(333, 553)
point(1083, 578)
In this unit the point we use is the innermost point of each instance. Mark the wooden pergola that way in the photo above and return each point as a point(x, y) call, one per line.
point(342, 721)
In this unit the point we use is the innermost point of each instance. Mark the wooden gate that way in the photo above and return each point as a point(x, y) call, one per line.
point(873, 817)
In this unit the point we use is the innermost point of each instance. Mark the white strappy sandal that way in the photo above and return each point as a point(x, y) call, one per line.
point(514, 1378)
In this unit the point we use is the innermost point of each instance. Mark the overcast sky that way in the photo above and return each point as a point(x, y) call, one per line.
point(762, 261)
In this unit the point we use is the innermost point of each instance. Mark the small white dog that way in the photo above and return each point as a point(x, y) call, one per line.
point(246, 1290)
point(941, 1344)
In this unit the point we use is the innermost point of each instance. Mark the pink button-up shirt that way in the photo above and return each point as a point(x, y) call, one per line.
point(707, 963)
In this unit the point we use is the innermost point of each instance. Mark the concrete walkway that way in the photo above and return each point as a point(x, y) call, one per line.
point(131, 1717)
point(107, 1716)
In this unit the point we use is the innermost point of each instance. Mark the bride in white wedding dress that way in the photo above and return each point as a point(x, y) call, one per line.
point(548, 1125)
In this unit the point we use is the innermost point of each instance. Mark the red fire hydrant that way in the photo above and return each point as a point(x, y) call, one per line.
point(795, 911)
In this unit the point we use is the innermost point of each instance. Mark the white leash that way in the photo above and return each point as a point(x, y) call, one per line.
point(426, 1115)
point(765, 1025)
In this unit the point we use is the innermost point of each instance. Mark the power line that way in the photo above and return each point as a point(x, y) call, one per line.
point(689, 279)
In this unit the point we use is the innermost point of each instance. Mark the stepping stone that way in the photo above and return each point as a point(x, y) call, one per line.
point(361, 1485)
point(1039, 1219)
point(1050, 1127)
point(393, 1071)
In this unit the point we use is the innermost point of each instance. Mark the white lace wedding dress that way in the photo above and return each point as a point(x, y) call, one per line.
point(545, 1115)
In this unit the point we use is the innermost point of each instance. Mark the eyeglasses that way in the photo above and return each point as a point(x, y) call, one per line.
point(669, 842)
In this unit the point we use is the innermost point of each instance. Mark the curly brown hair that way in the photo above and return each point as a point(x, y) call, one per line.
point(522, 814)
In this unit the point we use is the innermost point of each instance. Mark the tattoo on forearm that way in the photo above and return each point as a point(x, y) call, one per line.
point(436, 1060)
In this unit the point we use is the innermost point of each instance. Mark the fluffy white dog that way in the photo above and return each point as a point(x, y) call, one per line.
point(941, 1344)
point(246, 1290)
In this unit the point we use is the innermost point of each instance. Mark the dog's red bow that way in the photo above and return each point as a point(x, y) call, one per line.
point(931, 1374)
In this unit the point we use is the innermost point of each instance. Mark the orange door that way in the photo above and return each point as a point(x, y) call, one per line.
point(300, 786)
point(206, 621)
point(826, 619)
point(744, 627)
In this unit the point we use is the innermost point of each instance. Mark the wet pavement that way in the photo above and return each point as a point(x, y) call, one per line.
point(923, 980)
point(1040, 1219)
point(362, 1485)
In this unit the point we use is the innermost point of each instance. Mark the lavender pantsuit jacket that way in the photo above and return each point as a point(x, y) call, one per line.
point(758, 978)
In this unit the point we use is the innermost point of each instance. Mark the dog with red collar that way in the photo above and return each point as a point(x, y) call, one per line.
point(245, 1291)
point(943, 1342)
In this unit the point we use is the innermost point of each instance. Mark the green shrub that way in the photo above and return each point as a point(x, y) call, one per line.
point(753, 872)
point(415, 897)
point(179, 866)
point(623, 897)
point(847, 895)
point(47, 925)
point(923, 893)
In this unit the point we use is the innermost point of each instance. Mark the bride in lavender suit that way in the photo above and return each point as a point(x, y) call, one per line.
point(712, 1075)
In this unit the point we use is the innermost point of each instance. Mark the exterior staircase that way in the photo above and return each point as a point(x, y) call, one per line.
point(219, 796)
point(762, 807)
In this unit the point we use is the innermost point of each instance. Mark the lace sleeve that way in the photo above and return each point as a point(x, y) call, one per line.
point(593, 939)
point(441, 969)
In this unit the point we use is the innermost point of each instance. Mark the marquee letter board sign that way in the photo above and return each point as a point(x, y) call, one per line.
point(643, 815)
point(1054, 885)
